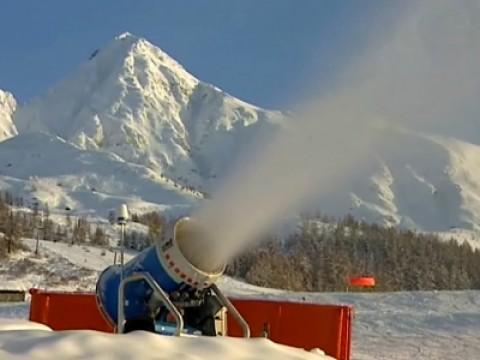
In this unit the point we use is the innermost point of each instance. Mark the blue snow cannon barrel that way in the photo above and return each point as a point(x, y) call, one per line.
point(176, 262)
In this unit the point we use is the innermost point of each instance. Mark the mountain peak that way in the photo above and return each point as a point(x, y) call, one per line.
point(133, 43)
point(136, 101)
point(126, 36)
point(133, 55)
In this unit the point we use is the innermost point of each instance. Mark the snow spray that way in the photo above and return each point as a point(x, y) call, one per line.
point(421, 74)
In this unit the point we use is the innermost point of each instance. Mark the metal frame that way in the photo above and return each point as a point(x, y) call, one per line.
point(122, 223)
point(170, 306)
point(157, 289)
point(233, 310)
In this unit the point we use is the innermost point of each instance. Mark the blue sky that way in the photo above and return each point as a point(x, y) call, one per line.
point(262, 51)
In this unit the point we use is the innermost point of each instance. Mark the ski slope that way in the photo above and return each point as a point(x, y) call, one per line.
point(400, 326)
point(58, 266)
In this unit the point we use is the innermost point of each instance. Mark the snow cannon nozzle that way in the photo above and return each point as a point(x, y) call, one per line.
point(192, 239)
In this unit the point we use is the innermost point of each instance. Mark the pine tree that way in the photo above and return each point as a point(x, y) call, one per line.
point(99, 238)
point(322, 258)
point(12, 235)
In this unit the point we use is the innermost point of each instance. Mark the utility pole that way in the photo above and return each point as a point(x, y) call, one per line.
point(39, 227)
point(38, 222)
point(69, 222)
point(122, 218)
point(11, 231)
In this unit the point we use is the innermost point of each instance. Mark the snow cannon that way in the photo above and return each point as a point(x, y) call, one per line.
point(167, 288)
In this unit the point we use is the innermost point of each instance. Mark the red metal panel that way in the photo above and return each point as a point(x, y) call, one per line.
point(67, 311)
point(346, 335)
point(302, 325)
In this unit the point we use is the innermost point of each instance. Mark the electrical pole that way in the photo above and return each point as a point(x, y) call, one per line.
point(122, 217)
point(10, 235)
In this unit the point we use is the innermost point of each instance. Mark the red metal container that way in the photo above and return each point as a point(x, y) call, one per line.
point(362, 281)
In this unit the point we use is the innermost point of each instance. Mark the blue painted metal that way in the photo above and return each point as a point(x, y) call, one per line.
point(137, 293)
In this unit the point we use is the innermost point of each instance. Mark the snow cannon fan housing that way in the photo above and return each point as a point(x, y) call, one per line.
point(173, 262)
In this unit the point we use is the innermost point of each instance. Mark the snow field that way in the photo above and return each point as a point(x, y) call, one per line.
point(41, 344)
point(400, 326)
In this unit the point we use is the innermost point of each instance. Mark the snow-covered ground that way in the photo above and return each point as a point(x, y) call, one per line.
point(393, 326)
point(58, 265)
point(89, 257)
point(91, 345)
point(72, 267)
point(403, 325)
point(399, 325)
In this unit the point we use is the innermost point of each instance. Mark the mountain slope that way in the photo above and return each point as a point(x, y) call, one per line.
point(60, 174)
point(132, 99)
point(7, 108)
point(418, 181)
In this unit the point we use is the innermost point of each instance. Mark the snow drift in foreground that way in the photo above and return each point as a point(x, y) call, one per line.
point(92, 345)
point(18, 324)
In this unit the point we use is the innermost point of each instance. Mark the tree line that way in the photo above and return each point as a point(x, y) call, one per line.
point(139, 240)
point(17, 223)
point(322, 256)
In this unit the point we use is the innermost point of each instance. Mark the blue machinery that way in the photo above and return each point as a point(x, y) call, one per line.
point(161, 290)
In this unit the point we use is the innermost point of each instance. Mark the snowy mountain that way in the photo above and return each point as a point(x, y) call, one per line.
point(133, 100)
point(60, 174)
point(7, 108)
point(418, 181)
point(132, 125)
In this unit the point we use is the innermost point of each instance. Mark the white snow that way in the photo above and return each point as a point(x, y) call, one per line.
point(39, 344)
point(57, 266)
point(60, 174)
point(134, 100)
point(15, 311)
point(19, 324)
point(21, 339)
point(418, 181)
point(399, 326)
point(89, 257)
point(402, 325)
point(7, 108)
